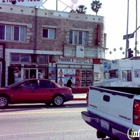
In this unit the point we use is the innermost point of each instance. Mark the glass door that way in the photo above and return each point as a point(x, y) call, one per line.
point(30, 73)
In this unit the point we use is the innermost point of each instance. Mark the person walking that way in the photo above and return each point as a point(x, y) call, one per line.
point(69, 82)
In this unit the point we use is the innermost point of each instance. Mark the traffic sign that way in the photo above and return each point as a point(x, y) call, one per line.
point(128, 36)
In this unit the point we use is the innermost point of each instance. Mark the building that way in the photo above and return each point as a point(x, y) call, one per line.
point(49, 44)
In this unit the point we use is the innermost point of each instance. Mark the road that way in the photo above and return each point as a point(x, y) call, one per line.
point(38, 122)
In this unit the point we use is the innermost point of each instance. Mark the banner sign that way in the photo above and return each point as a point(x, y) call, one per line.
point(75, 60)
point(27, 3)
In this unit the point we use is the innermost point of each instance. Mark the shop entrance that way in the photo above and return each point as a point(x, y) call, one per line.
point(29, 73)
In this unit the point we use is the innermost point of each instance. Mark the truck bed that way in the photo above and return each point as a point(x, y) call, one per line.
point(110, 109)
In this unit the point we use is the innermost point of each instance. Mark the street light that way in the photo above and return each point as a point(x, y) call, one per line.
point(136, 28)
point(127, 46)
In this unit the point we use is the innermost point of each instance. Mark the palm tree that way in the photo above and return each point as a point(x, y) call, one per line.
point(96, 5)
point(81, 9)
point(72, 11)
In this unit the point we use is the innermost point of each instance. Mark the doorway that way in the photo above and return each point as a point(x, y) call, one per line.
point(29, 73)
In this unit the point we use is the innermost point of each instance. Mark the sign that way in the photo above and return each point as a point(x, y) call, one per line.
point(75, 60)
point(129, 36)
point(27, 3)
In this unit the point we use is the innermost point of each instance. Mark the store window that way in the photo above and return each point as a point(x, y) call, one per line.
point(49, 33)
point(20, 57)
point(80, 77)
point(24, 58)
point(15, 57)
point(42, 59)
point(78, 37)
point(13, 33)
point(126, 76)
point(111, 74)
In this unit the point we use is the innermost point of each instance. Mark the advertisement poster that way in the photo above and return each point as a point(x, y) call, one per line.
point(17, 74)
point(88, 74)
point(61, 81)
point(137, 73)
point(83, 74)
point(88, 83)
point(83, 83)
point(78, 82)
point(60, 73)
point(69, 72)
point(52, 73)
point(78, 73)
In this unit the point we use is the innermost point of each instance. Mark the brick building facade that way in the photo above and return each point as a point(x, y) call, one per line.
point(40, 43)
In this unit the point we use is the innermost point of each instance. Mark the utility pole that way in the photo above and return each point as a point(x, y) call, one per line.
point(127, 24)
point(136, 28)
point(56, 5)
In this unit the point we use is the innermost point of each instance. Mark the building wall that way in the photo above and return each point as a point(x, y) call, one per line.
point(37, 19)
point(63, 22)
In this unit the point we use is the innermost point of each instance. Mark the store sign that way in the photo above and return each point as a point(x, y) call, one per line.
point(24, 2)
point(75, 60)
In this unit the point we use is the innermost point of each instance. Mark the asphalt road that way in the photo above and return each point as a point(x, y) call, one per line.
point(38, 122)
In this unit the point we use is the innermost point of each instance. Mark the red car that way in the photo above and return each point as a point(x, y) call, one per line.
point(35, 91)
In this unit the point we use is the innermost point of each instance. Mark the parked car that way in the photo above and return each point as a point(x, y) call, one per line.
point(35, 91)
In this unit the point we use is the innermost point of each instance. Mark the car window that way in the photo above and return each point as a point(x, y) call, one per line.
point(33, 84)
point(46, 84)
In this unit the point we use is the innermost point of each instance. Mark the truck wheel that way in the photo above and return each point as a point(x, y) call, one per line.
point(3, 101)
point(114, 138)
point(136, 139)
point(58, 100)
point(100, 134)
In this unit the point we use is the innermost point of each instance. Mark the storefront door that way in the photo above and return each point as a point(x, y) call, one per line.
point(30, 73)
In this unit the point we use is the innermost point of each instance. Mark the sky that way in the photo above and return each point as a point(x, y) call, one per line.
point(115, 15)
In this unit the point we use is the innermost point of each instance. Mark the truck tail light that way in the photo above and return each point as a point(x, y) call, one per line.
point(87, 98)
point(136, 112)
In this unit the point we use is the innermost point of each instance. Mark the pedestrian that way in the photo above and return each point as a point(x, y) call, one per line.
point(69, 82)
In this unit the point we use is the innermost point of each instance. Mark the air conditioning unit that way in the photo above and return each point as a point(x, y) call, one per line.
point(80, 51)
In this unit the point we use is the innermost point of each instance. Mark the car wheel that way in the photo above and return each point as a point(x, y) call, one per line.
point(3, 101)
point(58, 100)
point(100, 134)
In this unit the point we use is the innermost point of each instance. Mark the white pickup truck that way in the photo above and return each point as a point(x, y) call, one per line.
point(114, 112)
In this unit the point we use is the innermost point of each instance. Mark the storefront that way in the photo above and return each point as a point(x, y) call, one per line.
point(25, 66)
point(80, 69)
point(2, 64)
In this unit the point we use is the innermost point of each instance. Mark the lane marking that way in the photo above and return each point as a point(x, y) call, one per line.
point(40, 112)
point(49, 131)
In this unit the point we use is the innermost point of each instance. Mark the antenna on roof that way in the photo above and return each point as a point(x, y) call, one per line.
point(72, 6)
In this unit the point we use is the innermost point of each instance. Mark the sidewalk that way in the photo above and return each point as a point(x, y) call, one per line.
point(79, 96)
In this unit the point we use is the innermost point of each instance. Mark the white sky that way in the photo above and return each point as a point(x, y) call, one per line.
point(115, 14)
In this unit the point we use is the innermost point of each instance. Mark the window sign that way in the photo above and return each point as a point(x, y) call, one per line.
point(75, 60)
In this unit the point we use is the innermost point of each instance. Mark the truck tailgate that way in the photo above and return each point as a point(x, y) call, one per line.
point(111, 104)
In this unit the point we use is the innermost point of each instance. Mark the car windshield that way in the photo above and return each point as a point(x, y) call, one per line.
point(13, 85)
